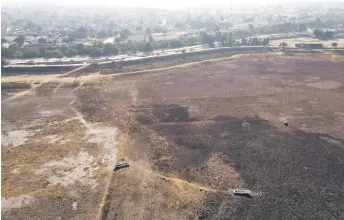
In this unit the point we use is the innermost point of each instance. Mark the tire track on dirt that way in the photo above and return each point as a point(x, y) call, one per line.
point(36, 86)
point(57, 87)
point(182, 181)
point(99, 133)
point(176, 66)
point(26, 92)
point(74, 70)
point(79, 116)
point(96, 76)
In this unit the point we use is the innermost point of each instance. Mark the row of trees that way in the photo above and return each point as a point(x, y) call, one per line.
point(95, 50)
point(108, 49)
point(228, 39)
point(323, 34)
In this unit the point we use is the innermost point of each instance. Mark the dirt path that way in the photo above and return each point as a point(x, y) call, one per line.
point(76, 69)
point(80, 117)
point(176, 66)
point(57, 78)
point(179, 181)
point(107, 137)
point(23, 93)
point(57, 87)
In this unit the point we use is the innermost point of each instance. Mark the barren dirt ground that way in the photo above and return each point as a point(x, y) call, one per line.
point(190, 134)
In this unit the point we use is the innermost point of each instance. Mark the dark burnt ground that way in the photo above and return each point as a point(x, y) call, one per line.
point(181, 119)
point(299, 174)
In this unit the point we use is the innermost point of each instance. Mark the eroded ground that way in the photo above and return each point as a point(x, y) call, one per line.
point(190, 134)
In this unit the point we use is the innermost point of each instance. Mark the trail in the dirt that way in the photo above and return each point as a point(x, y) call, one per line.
point(56, 78)
point(174, 180)
point(106, 136)
point(333, 56)
point(35, 86)
point(181, 181)
point(194, 185)
point(175, 67)
point(76, 69)
point(134, 93)
point(57, 87)
point(19, 94)
point(79, 116)
point(100, 214)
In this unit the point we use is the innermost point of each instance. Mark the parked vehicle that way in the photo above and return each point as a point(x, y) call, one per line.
point(120, 166)
point(242, 192)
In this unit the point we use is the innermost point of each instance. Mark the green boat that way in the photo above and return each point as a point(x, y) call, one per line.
point(242, 192)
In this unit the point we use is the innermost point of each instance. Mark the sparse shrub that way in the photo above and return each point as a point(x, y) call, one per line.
point(13, 85)
point(95, 65)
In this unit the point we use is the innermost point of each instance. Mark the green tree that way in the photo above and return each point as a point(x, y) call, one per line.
point(283, 45)
point(5, 52)
point(175, 43)
point(95, 65)
point(54, 54)
point(266, 41)
point(3, 40)
point(123, 36)
point(70, 52)
point(218, 35)
point(30, 53)
point(110, 49)
point(95, 51)
point(18, 54)
point(147, 33)
point(224, 39)
point(207, 39)
point(123, 48)
point(69, 39)
point(20, 40)
point(102, 34)
point(202, 35)
point(244, 42)
point(323, 34)
point(42, 40)
point(183, 52)
point(302, 28)
point(318, 21)
point(329, 34)
point(151, 41)
point(147, 47)
point(42, 51)
point(80, 33)
point(230, 39)
point(255, 41)
point(334, 44)
point(318, 33)
point(117, 40)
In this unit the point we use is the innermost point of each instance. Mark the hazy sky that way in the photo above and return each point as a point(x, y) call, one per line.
point(155, 3)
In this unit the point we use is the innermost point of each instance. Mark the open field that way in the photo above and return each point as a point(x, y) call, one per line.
point(292, 41)
point(190, 134)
